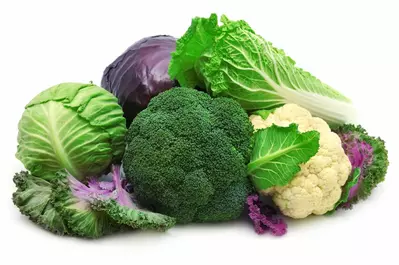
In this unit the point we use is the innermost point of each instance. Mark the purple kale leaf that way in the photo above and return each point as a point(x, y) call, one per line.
point(265, 217)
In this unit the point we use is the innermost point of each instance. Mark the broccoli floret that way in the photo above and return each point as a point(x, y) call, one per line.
point(187, 154)
point(367, 153)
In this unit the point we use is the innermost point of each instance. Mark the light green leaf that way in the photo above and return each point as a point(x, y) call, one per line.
point(78, 127)
point(263, 113)
point(80, 217)
point(241, 64)
point(278, 153)
point(190, 47)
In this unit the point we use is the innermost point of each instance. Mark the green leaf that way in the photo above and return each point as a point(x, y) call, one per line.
point(51, 220)
point(352, 181)
point(135, 218)
point(80, 217)
point(79, 127)
point(63, 207)
point(278, 153)
point(241, 64)
point(189, 48)
point(34, 197)
point(33, 194)
point(263, 113)
point(92, 215)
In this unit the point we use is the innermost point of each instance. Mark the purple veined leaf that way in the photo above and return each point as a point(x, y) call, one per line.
point(105, 185)
point(93, 208)
point(123, 197)
point(102, 190)
point(367, 154)
point(360, 154)
point(93, 183)
point(88, 193)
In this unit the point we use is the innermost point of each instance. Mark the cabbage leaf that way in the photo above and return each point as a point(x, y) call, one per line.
point(240, 64)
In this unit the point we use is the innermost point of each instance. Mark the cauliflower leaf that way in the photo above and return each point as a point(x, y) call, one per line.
point(278, 153)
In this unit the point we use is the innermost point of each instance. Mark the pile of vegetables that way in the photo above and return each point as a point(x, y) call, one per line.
point(208, 127)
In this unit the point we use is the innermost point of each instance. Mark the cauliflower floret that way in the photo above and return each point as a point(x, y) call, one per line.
point(317, 187)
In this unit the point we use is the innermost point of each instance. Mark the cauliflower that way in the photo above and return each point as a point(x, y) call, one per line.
point(318, 186)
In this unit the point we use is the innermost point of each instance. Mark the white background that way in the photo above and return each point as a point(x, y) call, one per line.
point(351, 45)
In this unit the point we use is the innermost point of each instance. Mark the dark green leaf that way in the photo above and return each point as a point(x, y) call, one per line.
point(135, 218)
point(34, 198)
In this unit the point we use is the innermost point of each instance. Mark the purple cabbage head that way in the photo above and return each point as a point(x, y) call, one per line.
point(140, 73)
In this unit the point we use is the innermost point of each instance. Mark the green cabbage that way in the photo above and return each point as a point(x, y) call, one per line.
point(72, 126)
point(232, 60)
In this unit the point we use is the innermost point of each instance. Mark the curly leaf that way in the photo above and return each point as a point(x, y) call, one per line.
point(92, 212)
point(82, 220)
point(264, 217)
point(134, 217)
point(34, 198)
point(52, 220)
point(368, 153)
point(278, 153)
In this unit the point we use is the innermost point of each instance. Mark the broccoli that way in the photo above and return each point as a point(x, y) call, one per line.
point(186, 156)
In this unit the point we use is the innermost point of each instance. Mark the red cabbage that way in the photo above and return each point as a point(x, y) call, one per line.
point(140, 73)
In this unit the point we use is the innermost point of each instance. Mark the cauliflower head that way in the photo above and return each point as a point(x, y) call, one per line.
point(317, 186)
